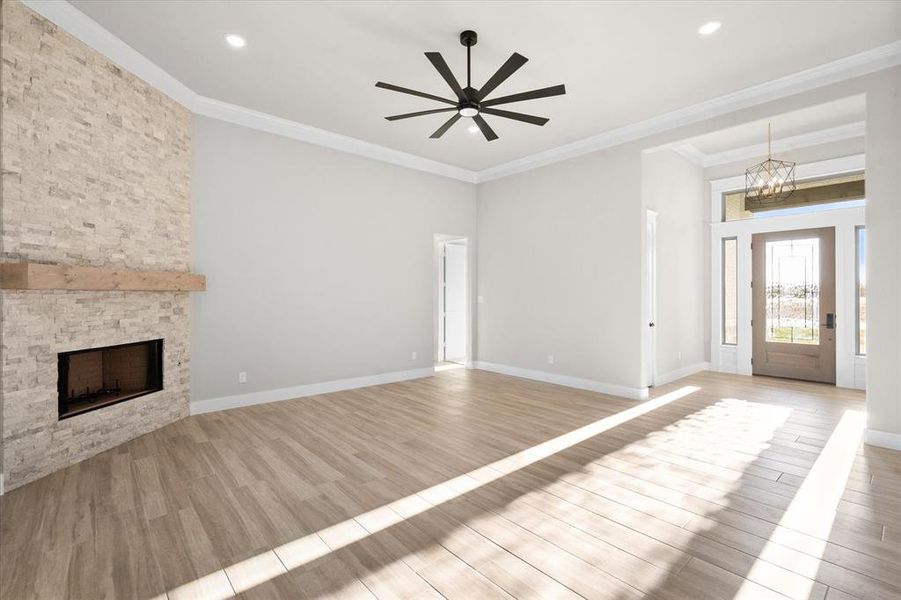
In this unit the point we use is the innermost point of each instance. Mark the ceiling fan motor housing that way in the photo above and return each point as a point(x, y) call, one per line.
point(474, 103)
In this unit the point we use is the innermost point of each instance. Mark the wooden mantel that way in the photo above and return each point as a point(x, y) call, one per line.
point(36, 276)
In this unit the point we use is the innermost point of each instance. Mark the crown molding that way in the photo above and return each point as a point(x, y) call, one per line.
point(85, 29)
point(232, 113)
point(689, 151)
point(856, 65)
point(96, 36)
point(89, 31)
point(804, 140)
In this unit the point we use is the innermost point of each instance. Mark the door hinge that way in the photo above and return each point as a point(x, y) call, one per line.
point(752, 322)
point(752, 361)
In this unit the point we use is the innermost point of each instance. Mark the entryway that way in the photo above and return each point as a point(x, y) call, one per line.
point(452, 301)
point(793, 291)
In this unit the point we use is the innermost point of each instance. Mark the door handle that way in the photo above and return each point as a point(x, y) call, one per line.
point(830, 321)
point(651, 324)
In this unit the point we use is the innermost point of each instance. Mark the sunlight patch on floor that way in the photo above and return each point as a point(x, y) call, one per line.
point(309, 548)
point(813, 509)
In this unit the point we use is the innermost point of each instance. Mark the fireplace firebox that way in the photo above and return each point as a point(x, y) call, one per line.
point(97, 377)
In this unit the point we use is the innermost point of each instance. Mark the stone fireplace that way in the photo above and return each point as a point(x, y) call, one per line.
point(96, 170)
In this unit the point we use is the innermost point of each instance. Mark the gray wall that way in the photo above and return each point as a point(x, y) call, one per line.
point(560, 253)
point(560, 268)
point(674, 187)
point(320, 264)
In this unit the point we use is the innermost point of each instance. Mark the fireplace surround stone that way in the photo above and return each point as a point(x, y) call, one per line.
point(96, 170)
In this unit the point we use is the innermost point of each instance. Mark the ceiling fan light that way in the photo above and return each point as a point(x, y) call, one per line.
point(469, 111)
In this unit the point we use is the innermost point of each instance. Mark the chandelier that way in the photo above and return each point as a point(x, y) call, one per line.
point(770, 182)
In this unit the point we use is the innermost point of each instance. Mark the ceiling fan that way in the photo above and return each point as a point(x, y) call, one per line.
point(473, 103)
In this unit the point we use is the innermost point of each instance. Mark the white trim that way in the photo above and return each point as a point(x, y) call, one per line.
point(565, 380)
point(82, 27)
point(301, 391)
point(689, 151)
point(232, 113)
point(882, 57)
point(1, 483)
point(681, 372)
point(805, 140)
point(883, 439)
point(94, 35)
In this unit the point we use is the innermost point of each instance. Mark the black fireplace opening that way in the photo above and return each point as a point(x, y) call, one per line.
point(93, 378)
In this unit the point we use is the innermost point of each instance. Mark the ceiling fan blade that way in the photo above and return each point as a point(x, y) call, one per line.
point(508, 68)
point(554, 90)
point(515, 116)
point(447, 125)
point(397, 88)
point(420, 113)
point(487, 131)
point(441, 65)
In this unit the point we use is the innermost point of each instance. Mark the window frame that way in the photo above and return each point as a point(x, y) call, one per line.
point(723, 242)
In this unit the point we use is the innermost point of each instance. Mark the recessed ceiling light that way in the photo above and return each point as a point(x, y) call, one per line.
point(710, 27)
point(473, 129)
point(235, 41)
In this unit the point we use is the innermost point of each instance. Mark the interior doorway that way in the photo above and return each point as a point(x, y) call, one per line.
point(452, 302)
point(793, 304)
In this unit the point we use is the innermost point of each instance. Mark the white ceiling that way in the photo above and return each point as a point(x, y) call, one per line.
point(622, 62)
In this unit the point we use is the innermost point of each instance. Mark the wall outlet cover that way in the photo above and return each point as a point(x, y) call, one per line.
point(242, 377)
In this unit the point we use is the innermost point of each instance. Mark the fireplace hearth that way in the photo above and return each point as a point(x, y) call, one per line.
point(94, 378)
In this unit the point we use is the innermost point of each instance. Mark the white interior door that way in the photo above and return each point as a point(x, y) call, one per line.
point(455, 302)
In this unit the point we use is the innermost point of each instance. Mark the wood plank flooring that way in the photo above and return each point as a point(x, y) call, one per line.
point(475, 485)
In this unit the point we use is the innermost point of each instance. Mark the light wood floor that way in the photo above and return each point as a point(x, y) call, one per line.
point(752, 488)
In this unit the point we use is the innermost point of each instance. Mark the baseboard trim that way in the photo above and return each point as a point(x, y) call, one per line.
point(565, 380)
point(884, 439)
point(682, 372)
point(301, 391)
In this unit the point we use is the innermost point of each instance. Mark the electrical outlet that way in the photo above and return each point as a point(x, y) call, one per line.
point(550, 359)
point(242, 377)
point(413, 356)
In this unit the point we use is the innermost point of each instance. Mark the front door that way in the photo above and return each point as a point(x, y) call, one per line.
point(793, 284)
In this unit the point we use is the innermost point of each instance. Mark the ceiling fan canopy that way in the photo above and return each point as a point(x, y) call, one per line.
point(473, 103)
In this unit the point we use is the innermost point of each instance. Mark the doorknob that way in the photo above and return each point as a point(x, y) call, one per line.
point(830, 321)
point(651, 324)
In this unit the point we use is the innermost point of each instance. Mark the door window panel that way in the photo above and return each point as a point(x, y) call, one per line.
point(793, 291)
